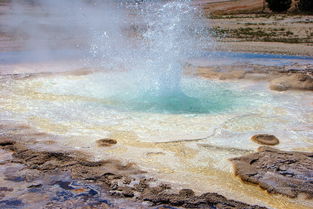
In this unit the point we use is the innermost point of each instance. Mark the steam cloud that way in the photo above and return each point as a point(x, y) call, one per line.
point(45, 26)
point(150, 38)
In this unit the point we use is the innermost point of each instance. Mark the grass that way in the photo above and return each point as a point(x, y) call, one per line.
point(269, 30)
point(288, 40)
point(261, 34)
point(240, 16)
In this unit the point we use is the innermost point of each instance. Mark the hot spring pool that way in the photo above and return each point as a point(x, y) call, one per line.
point(185, 138)
point(113, 92)
point(180, 129)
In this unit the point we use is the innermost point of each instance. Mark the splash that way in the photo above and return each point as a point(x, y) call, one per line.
point(150, 40)
point(175, 33)
point(166, 35)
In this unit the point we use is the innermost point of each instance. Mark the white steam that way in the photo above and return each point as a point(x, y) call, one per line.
point(150, 39)
point(49, 26)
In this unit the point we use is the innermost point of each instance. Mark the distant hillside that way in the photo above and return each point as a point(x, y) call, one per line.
point(230, 6)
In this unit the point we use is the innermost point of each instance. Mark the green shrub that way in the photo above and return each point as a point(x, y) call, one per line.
point(279, 5)
point(305, 5)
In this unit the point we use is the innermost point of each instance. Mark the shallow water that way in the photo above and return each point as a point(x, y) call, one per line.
point(231, 58)
point(121, 92)
point(14, 57)
point(174, 143)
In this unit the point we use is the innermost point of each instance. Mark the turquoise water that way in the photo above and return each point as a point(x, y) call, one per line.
point(199, 100)
point(117, 91)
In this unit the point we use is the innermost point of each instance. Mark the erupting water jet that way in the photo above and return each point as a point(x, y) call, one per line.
point(172, 33)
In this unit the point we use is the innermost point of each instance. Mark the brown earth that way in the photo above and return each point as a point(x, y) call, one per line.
point(230, 6)
point(280, 172)
point(264, 33)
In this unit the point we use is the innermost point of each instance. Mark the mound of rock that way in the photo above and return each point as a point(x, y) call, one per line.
point(297, 81)
point(265, 139)
point(186, 199)
point(281, 172)
point(281, 78)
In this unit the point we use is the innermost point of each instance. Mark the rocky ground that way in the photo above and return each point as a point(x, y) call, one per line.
point(287, 173)
point(68, 179)
point(279, 78)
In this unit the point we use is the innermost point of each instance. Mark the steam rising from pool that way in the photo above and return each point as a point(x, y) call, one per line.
point(151, 40)
point(167, 35)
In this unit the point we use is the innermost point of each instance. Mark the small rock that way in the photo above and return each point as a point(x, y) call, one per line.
point(186, 193)
point(127, 192)
point(6, 142)
point(106, 142)
point(265, 139)
point(35, 186)
point(114, 186)
point(283, 168)
point(278, 86)
point(127, 180)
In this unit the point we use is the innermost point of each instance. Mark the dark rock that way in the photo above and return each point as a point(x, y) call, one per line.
point(207, 200)
point(127, 191)
point(15, 178)
point(63, 196)
point(106, 142)
point(11, 203)
point(186, 193)
point(64, 185)
point(123, 192)
point(6, 189)
point(6, 142)
point(287, 173)
point(127, 180)
point(141, 186)
point(92, 192)
point(265, 139)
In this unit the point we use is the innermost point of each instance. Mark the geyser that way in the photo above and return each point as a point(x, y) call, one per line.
point(169, 33)
point(151, 41)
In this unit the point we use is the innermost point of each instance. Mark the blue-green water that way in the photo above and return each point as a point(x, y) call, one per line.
point(183, 102)
point(117, 91)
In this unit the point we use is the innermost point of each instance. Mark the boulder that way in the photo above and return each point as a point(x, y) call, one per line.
point(280, 172)
point(295, 81)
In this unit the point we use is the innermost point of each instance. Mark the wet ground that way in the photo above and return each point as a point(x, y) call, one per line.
point(43, 178)
point(196, 156)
